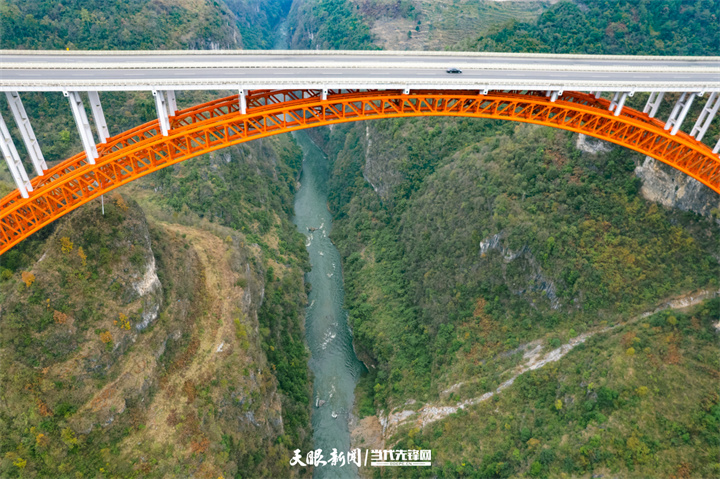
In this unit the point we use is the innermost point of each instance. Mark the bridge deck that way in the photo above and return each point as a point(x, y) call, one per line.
point(123, 70)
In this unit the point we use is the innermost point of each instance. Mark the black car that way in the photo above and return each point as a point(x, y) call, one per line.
point(454, 70)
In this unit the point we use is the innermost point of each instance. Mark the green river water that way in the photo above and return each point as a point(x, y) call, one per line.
point(335, 367)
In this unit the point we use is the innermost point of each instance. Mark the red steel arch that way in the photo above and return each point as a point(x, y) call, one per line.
point(219, 123)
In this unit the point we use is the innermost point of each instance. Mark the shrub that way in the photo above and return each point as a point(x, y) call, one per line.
point(59, 317)
point(28, 278)
point(42, 440)
point(66, 245)
point(68, 437)
point(120, 202)
point(83, 256)
point(106, 337)
point(122, 322)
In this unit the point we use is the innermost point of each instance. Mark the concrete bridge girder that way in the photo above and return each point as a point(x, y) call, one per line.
point(26, 131)
point(706, 116)
point(12, 158)
point(83, 125)
point(98, 116)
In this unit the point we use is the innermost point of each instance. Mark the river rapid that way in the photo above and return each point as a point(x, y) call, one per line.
point(333, 362)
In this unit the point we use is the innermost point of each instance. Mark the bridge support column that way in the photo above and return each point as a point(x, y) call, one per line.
point(716, 150)
point(242, 101)
point(680, 111)
point(17, 170)
point(620, 103)
point(162, 111)
point(675, 111)
point(324, 94)
point(653, 103)
point(555, 95)
point(28, 135)
point(98, 116)
point(171, 103)
point(614, 102)
point(706, 116)
point(81, 120)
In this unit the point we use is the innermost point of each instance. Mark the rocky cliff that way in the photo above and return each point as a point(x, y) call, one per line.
point(140, 337)
point(662, 183)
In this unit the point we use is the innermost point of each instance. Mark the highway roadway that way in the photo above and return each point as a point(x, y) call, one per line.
point(143, 70)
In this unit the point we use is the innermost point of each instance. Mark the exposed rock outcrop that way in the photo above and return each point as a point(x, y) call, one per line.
point(591, 145)
point(662, 183)
point(674, 189)
point(534, 280)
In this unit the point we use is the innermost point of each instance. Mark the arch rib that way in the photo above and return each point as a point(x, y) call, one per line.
point(220, 123)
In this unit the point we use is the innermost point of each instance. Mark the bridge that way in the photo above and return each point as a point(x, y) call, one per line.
point(276, 92)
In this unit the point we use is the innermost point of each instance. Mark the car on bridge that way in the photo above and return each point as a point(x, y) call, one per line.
point(454, 70)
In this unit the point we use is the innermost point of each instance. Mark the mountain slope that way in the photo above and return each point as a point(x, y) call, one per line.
point(466, 243)
point(215, 382)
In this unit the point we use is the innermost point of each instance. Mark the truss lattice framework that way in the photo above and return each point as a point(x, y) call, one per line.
point(218, 124)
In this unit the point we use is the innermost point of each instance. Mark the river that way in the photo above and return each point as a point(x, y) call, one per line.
point(333, 363)
point(335, 367)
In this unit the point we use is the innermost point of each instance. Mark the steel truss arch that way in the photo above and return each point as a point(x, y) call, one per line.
point(217, 124)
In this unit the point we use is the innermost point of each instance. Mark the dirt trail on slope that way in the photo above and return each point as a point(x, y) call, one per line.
point(212, 333)
point(532, 359)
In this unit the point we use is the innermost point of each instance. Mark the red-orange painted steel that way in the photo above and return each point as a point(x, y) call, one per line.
point(219, 123)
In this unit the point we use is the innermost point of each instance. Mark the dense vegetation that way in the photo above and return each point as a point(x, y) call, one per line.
point(583, 246)
point(258, 20)
point(463, 239)
point(328, 25)
point(646, 27)
point(116, 25)
point(639, 401)
point(242, 414)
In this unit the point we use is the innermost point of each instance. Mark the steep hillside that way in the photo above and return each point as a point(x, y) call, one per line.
point(636, 401)
point(437, 24)
point(328, 25)
point(215, 380)
point(133, 347)
point(471, 247)
point(118, 25)
point(549, 238)
point(645, 27)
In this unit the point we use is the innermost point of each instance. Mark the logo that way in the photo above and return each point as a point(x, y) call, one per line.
point(378, 457)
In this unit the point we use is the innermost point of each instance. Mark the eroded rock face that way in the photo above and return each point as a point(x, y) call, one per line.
point(591, 145)
point(662, 183)
point(150, 290)
point(377, 170)
point(674, 189)
point(532, 280)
